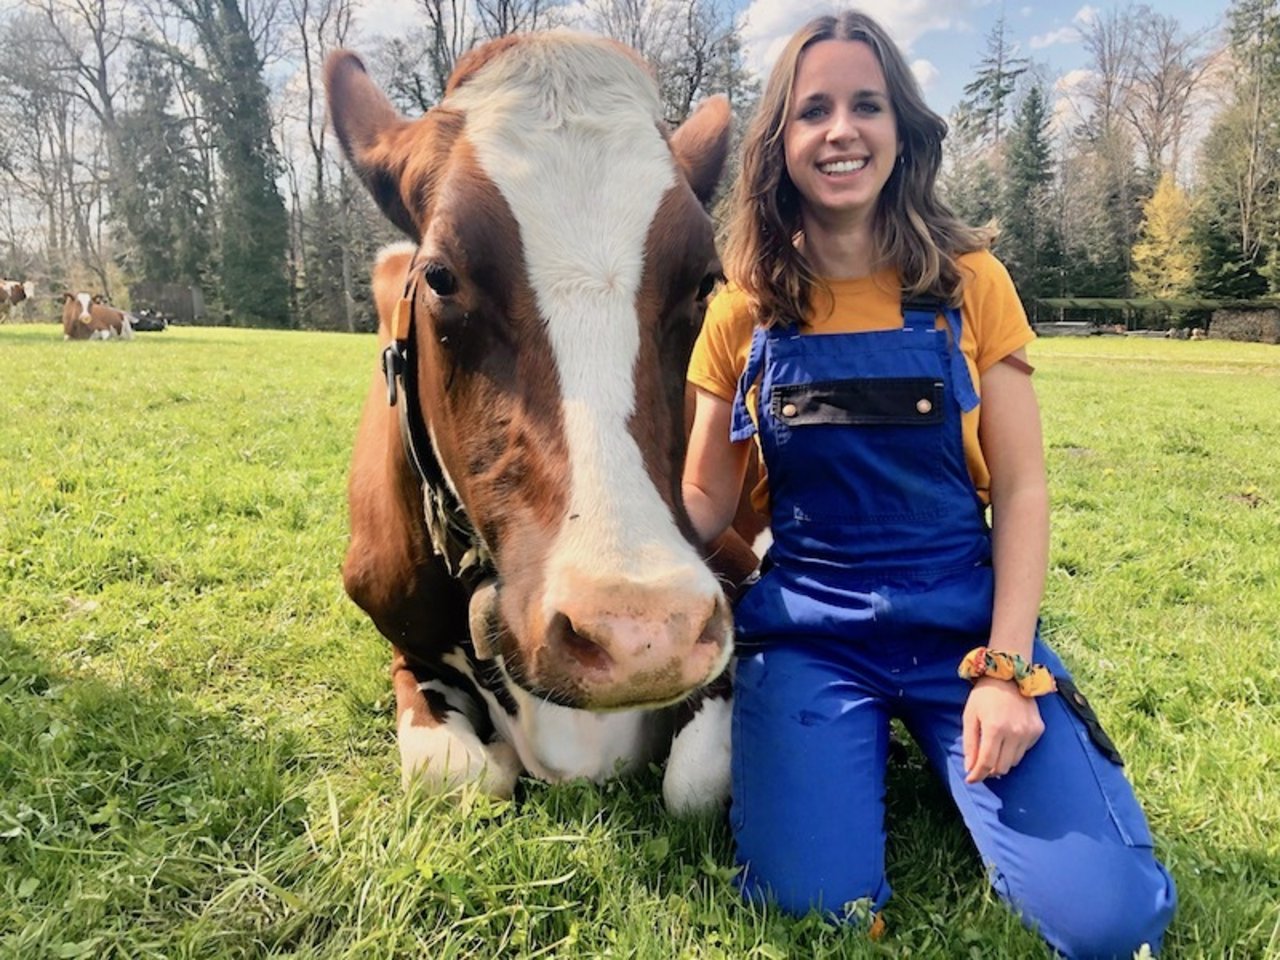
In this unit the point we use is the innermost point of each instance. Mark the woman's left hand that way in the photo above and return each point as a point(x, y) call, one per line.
point(1000, 726)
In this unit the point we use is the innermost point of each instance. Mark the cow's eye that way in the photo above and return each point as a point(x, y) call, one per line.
point(440, 279)
point(707, 285)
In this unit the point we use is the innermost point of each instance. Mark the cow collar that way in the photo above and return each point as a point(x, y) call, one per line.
point(453, 535)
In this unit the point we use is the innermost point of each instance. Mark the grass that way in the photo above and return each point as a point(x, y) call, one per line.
point(196, 748)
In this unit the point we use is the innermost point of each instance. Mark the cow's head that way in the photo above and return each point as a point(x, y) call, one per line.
point(15, 291)
point(563, 259)
point(76, 306)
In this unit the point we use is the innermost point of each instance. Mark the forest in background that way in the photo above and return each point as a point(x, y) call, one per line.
point(184, 142)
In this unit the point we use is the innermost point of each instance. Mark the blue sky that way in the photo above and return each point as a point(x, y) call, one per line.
point(945, 39)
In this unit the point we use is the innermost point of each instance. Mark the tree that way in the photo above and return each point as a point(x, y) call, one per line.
point(1029, 243)
point(1164, 258)
point(254, 231)
point(1239, 170)
point(169, 208)
point(987, 94)
point(969, 182)
point(1167, 70)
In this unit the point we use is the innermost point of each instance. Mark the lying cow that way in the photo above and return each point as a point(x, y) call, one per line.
point(12, 293)
point(86, 317)
point(516, 525)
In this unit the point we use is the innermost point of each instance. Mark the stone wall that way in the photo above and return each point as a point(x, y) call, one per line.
point(1258, 326)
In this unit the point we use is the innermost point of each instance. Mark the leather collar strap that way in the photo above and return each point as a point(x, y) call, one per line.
point(453, 536)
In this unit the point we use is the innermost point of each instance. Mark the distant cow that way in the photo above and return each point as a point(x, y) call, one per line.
point(526, 550)
point(13, 292)
point(86, 317)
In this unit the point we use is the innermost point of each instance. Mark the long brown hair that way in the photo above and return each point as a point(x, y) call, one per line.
point(914, 230)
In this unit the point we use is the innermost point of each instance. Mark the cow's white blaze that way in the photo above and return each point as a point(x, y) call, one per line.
point(570, 135)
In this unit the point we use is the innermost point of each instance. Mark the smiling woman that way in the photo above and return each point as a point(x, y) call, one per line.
point(876, 350)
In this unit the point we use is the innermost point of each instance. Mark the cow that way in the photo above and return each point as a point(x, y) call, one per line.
point(13, 292)
point(86, 317)
point(516, 526)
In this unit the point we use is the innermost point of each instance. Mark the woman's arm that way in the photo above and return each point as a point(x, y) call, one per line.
point(1000, 725)
point(713, 468)
point(1009, 433)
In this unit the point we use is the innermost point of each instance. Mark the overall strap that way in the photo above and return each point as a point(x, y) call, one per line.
point(923, 314)
point(742, 426)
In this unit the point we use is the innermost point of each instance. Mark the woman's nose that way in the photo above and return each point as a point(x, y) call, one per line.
point(842, 127)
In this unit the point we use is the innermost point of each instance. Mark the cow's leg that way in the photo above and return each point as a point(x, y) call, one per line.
point(697, 774)
point(436, 723)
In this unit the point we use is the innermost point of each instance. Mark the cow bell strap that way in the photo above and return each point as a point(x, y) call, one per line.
point(452, 534)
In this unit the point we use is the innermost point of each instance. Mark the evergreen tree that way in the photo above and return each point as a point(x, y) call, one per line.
point(1028, 242)
point(1164, 258)
point(168, 209)
point(1238, 229)
point(254, 228)
point(987, 94)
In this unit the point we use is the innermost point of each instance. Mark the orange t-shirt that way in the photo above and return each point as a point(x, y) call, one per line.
point(993, 325)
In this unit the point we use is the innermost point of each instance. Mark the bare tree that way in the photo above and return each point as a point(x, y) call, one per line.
point(318, 249)
point(499, 18)
point(450, 34)
point(1111, 40)
point(1168, 67)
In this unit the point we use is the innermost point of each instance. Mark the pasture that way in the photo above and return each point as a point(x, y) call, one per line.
point(197, 755)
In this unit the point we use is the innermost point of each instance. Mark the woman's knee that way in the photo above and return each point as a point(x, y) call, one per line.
point(1104, 914)
point(850, 891)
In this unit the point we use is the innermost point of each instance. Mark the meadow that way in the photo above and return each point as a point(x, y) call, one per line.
point(197, 757)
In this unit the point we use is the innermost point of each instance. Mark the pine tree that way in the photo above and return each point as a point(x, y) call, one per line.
point(168, 208)
point(1164, 258)
point(1028, 242)
point(987, 95)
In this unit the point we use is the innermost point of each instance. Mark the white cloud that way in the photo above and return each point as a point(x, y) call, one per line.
point(1069, 107)
point(1054, 37)
point(768, 24)
point(1086, 15)
point(925, 72)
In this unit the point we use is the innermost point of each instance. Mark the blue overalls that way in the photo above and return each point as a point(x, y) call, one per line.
point(878, 581)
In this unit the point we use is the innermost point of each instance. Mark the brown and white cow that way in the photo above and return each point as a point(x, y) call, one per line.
point(12, 293)
point(542, 595)
point(86, 317)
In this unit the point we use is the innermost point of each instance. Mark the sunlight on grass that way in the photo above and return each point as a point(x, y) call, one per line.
point(196, 747)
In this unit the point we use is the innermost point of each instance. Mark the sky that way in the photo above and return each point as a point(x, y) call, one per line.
point(944, 40)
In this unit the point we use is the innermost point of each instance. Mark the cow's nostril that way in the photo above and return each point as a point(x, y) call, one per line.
point(713, 631)
point(583, 649)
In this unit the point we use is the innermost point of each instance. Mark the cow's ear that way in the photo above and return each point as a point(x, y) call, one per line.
point(368, 128)
point(701, 144)
point(68, 295)
point(97, 298)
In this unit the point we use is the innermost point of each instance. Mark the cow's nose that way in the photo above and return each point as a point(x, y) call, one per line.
point(592, 654)
point(663, 641)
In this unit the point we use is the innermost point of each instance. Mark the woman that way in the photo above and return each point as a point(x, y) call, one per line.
point(862, 324)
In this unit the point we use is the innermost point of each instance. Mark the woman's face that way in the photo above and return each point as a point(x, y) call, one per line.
point(841, 136)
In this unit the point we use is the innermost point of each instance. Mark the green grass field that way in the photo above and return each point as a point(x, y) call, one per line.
point(197, 755)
